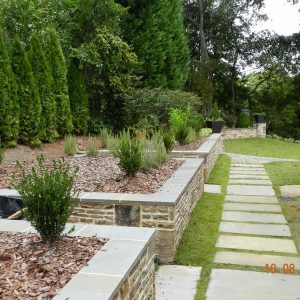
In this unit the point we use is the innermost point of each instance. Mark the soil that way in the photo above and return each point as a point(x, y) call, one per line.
point(101, 174)
point(192, 146)
point(31, 269)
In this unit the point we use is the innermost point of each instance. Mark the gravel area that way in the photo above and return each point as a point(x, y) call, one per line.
point(192, 146)
point(31, 269)
point(102, 174)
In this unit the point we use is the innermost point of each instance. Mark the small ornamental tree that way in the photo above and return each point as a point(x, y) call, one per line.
point(29, 100)
point(9, 109)
point(43, 80)
point(47, 196)
point(57, 62)
point(78, 99)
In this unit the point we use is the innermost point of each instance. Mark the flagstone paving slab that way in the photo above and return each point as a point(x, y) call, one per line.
point(250, 181)
point(290, 190)
point(247, 165)
point(251, 190)
point(256, 260)
point(248, 285)
point(246, 176)
point(177, 282)
point(247, 169)
point(249, 172)
point(251, 199)
point(255, 229)
point(212, 188)
point(252, 207)
point(256, 244)
point(237, 216)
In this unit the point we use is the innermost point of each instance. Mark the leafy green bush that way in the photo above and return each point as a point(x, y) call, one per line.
point(196, 121)
point(92, 149)
point(243, 120)
point(205, 132)
point(169, 140)
point(216, 113)
point(48, 196)
point(178, 124)
point(155, 104)
point(104, 135)
point(70, 147)
point(154, 152)
point(129, 152)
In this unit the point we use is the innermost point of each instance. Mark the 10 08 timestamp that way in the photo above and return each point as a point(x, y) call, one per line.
point(284, 269)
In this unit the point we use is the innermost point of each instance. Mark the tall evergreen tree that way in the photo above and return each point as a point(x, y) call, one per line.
point(9, 109)
point(29, 100)
point(156, 30)
point(43, 80)
point(78, 99)
point(57, 62)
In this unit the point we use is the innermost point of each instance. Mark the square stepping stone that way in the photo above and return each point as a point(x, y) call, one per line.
point(252, 207)
point(177, 282)
point(251, 199)
point(239, 216)
point(246, 176)
point(255, 229)
point(212, 188)
point(256, 244)
point(248, 285)
point(290, 190)
point(250, 181)
point(256, 260)
point(250, 190)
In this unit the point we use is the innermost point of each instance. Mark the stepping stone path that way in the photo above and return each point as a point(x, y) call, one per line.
point(254, 232)
point(212, 188)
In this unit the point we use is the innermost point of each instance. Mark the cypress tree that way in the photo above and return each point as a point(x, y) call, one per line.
point(9, 109)
point(57, 62)
point(29, 100)
point(78, 99)
point(43, 81)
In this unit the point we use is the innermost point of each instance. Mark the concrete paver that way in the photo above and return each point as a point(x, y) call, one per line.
point(251, 190)
point(252, 207)
point(251, 199)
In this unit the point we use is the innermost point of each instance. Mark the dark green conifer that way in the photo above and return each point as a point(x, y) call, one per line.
point(43, 81)
point(57, 62)
point(78, 99)
point(28, 96)
point(9, 108)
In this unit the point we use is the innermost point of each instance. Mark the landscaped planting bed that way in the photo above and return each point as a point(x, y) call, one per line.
point(31, 269)
point(191, 146)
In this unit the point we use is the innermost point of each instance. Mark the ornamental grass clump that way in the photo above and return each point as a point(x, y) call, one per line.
point(1, 154)
point(48, 197)
point(104, 135)
point(70, 147)
point(169, 140)
point(129, 152)
point(92, 149)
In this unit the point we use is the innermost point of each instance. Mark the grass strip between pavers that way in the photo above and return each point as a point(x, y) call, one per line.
point(197, 247)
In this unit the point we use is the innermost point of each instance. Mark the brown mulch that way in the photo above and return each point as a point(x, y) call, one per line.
point(192, 146)
point(31, 269)
point(102, 174)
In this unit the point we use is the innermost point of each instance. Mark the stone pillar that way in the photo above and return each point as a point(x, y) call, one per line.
point(261, 129)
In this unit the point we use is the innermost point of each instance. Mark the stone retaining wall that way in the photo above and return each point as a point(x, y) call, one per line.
point(258, 130)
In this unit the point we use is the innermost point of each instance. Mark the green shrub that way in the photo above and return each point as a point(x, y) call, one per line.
point(169, 140)
point(243, 120)
point(1, 154)
point(196, 121)
point(216, 113)
point(70, 146)
point(113, 142)
point(129, 152)
point(154, 153)
point(104, 135)
point(178, 124)
point(192, 135)
point(48, 197)
point(205, 132)
point(92, 149)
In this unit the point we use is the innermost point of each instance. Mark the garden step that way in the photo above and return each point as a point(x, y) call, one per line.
point(255, 229)
point(256, 244)
point(251, 199)
point(250, 181)
point(237, 216)
point(248, 172)
point(177, 282)
point(252, 207)
point(212, 188)
point(246, 176)
point(258, 260)
point(247, 165)
point(247, 169)
point(248, 285)
point(250, 190)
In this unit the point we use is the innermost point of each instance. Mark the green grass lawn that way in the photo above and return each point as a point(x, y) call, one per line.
point(267, 147)
point(287, 173)
point(197, 246)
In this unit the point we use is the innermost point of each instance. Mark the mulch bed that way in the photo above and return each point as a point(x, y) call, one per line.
point(31, 269)
point(192, 146)
point(102, 174)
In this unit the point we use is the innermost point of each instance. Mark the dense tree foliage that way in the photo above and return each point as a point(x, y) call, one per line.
point(44, 82)
point(28, 96)
point(9, 108)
